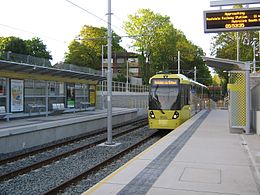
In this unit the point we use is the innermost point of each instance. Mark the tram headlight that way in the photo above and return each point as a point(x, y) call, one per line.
point(175, 115)
point(152, 114)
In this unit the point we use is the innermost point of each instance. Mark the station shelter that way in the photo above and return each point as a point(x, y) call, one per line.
point(238, 91)
point(27, 89)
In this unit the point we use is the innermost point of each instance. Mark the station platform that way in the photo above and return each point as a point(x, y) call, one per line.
point(29, 132)
point(199, 157)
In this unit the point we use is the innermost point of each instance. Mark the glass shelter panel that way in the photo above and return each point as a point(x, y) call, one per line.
point(81, 95)
point(55, 93)
point(34, 93)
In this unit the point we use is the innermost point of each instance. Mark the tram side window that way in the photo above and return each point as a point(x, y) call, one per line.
point(182, 96)
point(188, 95)
point(198, 91)
point(185, 95)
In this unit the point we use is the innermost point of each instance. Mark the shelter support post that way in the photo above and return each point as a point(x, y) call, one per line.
point(248, 98)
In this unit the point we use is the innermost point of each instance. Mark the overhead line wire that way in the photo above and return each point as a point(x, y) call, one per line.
point(29, 32)
point(93, 14)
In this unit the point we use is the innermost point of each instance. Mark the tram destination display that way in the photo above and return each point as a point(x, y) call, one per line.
point(160, 81)
point(231, 20)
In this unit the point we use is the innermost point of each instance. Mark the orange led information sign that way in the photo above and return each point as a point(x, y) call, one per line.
point(164, 82)
point(231, 20)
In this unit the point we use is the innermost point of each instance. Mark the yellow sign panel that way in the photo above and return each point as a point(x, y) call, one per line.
point(232, 20)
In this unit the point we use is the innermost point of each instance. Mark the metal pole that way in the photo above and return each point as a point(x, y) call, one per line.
point(102, 82)
point(46, 98)
point(109, 78)
point(195, 73)
point(127, 75)
point(254, 63)
point(8, 93)
point(248, 102)
point(237, 46)
point(179, 62)
point(258, 52)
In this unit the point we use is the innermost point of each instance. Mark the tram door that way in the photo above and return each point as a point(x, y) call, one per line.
point(70, 95)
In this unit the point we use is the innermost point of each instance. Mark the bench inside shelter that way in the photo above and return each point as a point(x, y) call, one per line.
point(57, 108)
point(35, 107)
point(84, 105)
point(4, 114)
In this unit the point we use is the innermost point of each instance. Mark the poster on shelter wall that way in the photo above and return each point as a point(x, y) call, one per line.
point(2, 86)
point(1, 90)
point(92, 95)
point(17, 99)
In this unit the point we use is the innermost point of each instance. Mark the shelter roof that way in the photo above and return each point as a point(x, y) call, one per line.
point(226, 64)
point(50, 71)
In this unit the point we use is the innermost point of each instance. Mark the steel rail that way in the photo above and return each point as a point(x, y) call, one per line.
point(47, 161)
point(96, 167)
point(62, 143)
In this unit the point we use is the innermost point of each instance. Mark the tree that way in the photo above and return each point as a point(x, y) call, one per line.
point(86, 49)
point(13, 44)
point(151, 31)
point(216, 80)
point(33, 47)
point(36, 48)
point(159, 42)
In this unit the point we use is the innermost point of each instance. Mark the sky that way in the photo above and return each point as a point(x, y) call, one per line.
point(58, 22)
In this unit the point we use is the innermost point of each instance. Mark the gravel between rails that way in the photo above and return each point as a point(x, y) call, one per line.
point(40, 180)
point(27, 161)
point(93, 179)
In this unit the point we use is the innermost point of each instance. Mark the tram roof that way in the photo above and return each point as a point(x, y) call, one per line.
point(195, 82)
point(48, 71)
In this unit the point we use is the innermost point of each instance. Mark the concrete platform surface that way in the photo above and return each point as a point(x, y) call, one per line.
point(213, 161)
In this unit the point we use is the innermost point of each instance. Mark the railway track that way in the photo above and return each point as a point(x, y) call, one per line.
point(35, 165)
point(61, 187)
point(63, 142)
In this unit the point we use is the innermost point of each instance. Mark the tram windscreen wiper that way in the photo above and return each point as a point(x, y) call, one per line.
point(161, 110)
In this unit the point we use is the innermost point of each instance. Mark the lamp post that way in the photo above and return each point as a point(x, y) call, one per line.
point(254, 63)
point(179, 62)
point(195, 73)
point(127, 75)
point(109, 78)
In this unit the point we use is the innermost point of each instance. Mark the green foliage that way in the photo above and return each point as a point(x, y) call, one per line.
point(36, 48)
point(216, 81)
point(159, 42)
point(81, 55)
point(87, 50)
point(13, 44)
point(33, 47)
point(120, 78)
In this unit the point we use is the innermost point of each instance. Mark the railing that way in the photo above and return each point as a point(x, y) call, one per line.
point(78, 68)
point(121, 87)
point(27, 59)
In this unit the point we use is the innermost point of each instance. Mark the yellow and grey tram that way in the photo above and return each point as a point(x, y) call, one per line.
point(174, 98)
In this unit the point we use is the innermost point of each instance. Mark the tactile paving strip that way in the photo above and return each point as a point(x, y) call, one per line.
point(147, 177)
